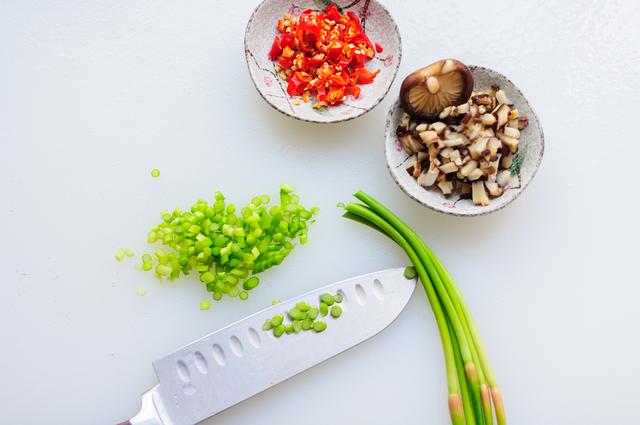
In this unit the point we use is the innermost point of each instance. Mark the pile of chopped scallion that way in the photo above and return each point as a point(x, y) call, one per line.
point(225, 246)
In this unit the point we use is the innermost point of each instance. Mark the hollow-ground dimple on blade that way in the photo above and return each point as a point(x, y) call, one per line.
point(241, 360)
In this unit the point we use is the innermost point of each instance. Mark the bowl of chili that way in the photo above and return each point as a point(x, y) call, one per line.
point(322, 61)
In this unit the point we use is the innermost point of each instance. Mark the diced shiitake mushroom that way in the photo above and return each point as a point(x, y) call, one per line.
point(502, 115)
point(477, 147)
point(493, 188)
point(428, 136)
point(506, 160)
point(494, 146)
point(472, 152)
point(446, 187)
point(429, 178)
point(479, 194)
point(502, 98)
point(504, 178)
point(468, 168)
point(438, 127)
point(448, 168)
point(475, 174)
point(510, 142)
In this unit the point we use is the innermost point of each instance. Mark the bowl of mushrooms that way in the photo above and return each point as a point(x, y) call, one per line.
point(462, 140)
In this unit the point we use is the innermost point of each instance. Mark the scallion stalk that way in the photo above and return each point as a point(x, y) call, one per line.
point(472, 385)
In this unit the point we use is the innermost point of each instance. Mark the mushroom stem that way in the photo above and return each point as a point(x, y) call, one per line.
point(433, 85)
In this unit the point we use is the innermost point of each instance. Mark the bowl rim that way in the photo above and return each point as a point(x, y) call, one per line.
point(249, 56)
point(488, 210)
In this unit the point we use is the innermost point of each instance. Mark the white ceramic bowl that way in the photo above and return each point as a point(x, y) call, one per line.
point(529, 154)
point(379, 26)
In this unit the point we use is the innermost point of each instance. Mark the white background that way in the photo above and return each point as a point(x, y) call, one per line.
point(93, 95)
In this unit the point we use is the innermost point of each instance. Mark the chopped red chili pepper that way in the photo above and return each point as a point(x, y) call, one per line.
point(332, 12)
point(285, 62)
point(297, 83)
point(289, 40)
point(379, 48)
point(316, 60)
point(366, 77)
point(276, 49)
point(323, 54)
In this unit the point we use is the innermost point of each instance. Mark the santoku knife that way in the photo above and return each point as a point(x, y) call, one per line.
point(241, 360)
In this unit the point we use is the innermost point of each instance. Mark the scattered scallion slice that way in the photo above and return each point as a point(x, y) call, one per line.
point(278, 331)
point(124, 252)
point(336, 311)
point(410, 273)
point(319, 326)
point(119, 254)
point(302, 317)
point(155, 173)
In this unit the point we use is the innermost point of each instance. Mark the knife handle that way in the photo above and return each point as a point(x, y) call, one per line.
point(148, 414)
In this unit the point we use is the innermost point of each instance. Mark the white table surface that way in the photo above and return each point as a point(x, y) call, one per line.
point(93, 95)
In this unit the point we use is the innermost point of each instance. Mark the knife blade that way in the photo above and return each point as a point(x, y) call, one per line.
point(240, 360)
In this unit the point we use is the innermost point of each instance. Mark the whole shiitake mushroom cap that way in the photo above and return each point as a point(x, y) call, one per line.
point(427, 91)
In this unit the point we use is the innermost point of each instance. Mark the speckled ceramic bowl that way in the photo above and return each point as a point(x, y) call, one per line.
point(380, 28)
point(529, 154)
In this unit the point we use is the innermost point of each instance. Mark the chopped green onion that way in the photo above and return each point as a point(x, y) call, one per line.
point(307, 324)
point(251, 283)
point(296, 314)
point(327, 298)
point(205, 305)
point(227, 246)
point(277, 320)
point(410, 272)
point(324, 309)
point(336, 311)
point(287, 188)
point(119, 254)
point(313, 313)
point(302, 306)
point(319, 326)
point(338, 297)
point(278, 331)
point(243, 295)
point(141, 292)
point(155, 173)
point(163, 270)
point(267, 325)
